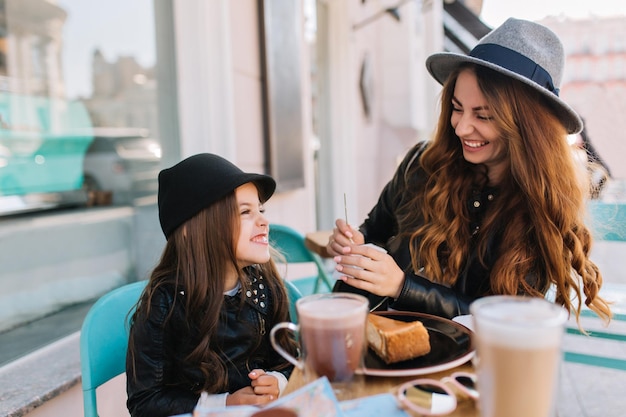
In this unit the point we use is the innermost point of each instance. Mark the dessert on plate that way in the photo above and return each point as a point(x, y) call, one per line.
point(395, 340)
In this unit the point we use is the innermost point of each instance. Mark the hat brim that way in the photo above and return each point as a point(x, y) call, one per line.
point(441, 65)
point(264, 183)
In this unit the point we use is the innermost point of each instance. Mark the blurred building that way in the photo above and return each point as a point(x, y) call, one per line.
point(31, 38)
point(595, 81)
point(123, 94)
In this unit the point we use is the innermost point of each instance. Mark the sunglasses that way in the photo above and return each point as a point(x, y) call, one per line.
point(431, 397)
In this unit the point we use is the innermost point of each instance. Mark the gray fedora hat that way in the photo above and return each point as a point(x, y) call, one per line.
point(523, 50)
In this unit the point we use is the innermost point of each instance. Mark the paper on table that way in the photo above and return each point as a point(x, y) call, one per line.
point(315, 399)
point(373, 406)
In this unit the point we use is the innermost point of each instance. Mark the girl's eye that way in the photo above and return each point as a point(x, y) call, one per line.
point(485, 117)
point(456, 109)
point(249, 211)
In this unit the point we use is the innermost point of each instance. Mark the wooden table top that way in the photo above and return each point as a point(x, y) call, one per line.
point(372, 385)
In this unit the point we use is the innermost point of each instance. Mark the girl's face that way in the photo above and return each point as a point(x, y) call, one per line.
point(474, 125)
point(252, 244)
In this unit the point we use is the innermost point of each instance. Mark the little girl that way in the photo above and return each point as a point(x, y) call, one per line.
point(203, 321)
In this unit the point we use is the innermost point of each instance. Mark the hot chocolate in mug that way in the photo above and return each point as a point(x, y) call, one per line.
point(331, 332)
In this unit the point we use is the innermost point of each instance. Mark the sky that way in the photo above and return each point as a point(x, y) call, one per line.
point(494, 12)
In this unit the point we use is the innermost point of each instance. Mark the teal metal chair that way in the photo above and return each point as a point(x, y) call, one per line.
point(290, 243)
point(294, 294)
point(104, 339)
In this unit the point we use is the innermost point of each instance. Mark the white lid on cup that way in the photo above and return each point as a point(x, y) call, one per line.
point(517, 321)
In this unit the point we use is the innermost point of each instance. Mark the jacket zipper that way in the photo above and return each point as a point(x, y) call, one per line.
point(261, 331)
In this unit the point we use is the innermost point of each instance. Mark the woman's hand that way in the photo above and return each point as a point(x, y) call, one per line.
point(262, 390)
point(371, 270)
point(343, 236)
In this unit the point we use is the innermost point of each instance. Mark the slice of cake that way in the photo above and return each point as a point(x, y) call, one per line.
point(395, 340)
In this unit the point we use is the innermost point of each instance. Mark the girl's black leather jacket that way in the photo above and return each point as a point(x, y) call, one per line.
point(418, 293)
point(167, 385)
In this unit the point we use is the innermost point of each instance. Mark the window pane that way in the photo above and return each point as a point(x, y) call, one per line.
point(78, 109)
point(67, 69)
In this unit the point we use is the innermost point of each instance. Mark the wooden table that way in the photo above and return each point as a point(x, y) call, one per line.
point(316, 242)
point(372, 385)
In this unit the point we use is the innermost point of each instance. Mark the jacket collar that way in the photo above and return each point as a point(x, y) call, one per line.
point(257, 294)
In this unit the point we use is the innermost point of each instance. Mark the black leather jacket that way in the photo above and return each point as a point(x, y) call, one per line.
point(418, 293)
point(165, 383)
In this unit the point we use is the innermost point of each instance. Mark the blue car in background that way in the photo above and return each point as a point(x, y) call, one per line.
point(51, 156)
point(125, 162)
point(43, 142)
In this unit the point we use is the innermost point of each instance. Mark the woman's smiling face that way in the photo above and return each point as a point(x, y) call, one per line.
point(473, 123)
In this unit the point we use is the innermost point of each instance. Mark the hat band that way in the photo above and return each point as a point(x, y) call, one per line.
point(516, 62)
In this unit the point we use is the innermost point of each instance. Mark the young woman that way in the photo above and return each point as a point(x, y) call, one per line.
point(203, 321)
point(493, 203)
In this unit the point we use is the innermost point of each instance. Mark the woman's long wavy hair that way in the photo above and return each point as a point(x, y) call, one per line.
point(196, 258)
point(538, 210)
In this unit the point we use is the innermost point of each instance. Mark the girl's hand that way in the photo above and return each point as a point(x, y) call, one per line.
point(264, 384)
point(371, 270)
point(343, 236)
point(262, 390)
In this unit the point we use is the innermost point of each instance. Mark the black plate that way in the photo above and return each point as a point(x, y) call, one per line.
point(451, 345)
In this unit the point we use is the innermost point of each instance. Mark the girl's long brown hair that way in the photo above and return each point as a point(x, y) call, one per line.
point(196, 258)
point(538, 210)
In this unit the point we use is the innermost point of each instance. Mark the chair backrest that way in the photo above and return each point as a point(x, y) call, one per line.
point(294, 294)
point(291, 244)
point(104, 340)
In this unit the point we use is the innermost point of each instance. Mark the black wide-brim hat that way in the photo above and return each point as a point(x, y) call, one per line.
point(199, 181)
point(523, 50)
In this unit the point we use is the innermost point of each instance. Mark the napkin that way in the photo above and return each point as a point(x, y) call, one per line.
point(337, 274)
point(465, 320)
